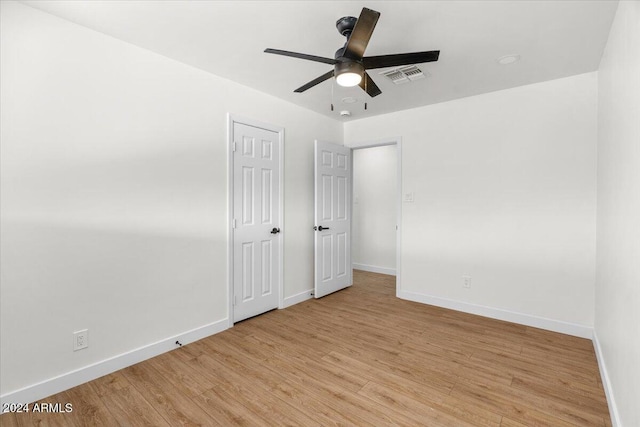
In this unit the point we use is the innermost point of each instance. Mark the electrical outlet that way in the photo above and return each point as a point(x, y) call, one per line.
point(466, 282)
point(80, 339)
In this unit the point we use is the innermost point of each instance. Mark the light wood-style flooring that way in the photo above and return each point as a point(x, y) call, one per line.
point(357, 357)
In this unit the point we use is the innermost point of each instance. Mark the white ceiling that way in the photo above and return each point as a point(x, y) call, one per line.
point(554, 38)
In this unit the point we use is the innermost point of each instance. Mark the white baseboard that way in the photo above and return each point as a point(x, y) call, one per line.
point(88, 373)
point(298, 298)
point(574, 329)
point(374, 269)
point(606, 382)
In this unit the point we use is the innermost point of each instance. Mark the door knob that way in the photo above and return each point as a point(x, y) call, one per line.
point(275, 230)
point(320, 228)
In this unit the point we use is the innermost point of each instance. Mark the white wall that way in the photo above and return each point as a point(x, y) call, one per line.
point(374, 210)
point(114, 190)
point(617, 308)
point(114, 198)
point(505, 192)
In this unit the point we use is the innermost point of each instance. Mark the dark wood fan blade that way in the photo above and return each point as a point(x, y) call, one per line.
point(301, 56)
point(383, 61)
point(314, 82)
point(368, 85)
point(359, 38)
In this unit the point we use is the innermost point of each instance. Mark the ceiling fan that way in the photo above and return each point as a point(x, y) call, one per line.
point(349, 62)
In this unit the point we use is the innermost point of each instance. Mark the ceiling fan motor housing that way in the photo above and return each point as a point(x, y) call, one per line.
point(349, 67)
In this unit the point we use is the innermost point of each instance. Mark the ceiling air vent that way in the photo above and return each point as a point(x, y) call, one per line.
point(404, 75)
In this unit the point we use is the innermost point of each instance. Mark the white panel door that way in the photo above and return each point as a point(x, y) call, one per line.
point(256, 221)
point(333, 178)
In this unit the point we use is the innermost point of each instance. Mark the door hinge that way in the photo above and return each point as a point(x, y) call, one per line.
point(233, 147)
point(234, 224)
point(235, 300)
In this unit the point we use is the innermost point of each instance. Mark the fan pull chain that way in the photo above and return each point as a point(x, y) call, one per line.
point(331, 96)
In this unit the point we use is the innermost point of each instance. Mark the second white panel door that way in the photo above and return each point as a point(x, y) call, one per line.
point(333, 177)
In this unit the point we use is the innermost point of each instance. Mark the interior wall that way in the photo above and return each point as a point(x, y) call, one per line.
point(617, 307)
point(505, 192)
point(114, 194)
point(374, 209)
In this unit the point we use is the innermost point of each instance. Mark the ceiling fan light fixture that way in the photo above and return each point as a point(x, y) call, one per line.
point(349, 74)
point(349, 79)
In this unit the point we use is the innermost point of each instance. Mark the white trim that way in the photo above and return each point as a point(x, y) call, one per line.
point(375, 269)
point(606, 383)
point(574, 329)
point(399, 214)
point(283, 229)
point(392, 140)
point(231, 119)
point(298, 298)
point(350, 205)
point(74, 378)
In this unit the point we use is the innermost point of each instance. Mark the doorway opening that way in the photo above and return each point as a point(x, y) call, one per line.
point(376, 218)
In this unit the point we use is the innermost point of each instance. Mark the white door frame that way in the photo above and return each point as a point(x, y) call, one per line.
point(231, 120)
point(397, 141)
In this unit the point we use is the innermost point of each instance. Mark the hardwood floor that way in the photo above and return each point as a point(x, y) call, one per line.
point(357, 357)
